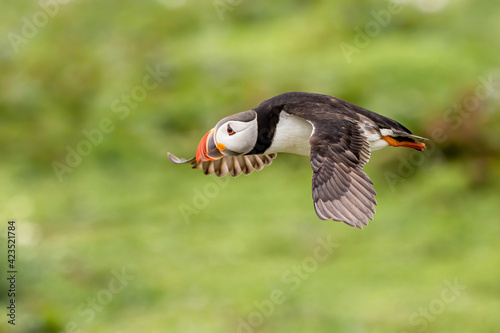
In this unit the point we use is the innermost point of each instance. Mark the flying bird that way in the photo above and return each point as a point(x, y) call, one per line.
point(337, 135)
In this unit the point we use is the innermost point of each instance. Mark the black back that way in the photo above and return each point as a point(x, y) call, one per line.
point(316, 108)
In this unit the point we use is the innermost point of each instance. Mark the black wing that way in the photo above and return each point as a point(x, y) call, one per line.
point(341, 190)
point(233, 165)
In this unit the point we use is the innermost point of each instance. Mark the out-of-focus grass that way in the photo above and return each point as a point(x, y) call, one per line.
point(206, 274)
point(120, 208)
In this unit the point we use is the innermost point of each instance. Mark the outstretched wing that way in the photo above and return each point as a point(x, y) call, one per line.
point(340, 188)
point(233, 165)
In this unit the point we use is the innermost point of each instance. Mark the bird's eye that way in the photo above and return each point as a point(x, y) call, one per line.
point(230, 130)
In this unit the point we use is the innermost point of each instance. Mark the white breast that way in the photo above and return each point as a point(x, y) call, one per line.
point(291, 136)
point(293, 133)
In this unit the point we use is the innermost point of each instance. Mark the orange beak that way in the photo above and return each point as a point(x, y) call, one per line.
point(207, 149)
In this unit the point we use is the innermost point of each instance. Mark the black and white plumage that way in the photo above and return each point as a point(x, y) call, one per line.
point(337, 135)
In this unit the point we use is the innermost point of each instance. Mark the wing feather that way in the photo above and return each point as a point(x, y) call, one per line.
point(341, 189)
point(233, 165)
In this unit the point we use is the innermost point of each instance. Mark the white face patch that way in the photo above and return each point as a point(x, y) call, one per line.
point(239, 137)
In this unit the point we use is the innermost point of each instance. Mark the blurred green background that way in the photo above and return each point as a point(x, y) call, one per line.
point(197, 254)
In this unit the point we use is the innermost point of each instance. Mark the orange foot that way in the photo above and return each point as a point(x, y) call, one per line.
point(395, 143)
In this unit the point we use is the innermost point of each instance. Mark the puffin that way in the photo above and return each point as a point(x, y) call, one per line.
point(338, 136)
